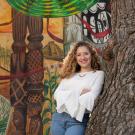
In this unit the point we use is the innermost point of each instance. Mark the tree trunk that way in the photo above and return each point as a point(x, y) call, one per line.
point(114, 112)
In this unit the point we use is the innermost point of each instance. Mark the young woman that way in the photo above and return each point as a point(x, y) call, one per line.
point(81, 83)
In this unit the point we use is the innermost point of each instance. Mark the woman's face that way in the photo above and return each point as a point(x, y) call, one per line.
point(83, 57)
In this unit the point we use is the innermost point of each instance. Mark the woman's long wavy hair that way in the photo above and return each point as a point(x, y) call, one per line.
point(70, 65)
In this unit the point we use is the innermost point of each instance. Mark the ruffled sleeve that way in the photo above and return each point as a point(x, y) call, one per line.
point(87, 100)
point(59, 88)
point(61, 95)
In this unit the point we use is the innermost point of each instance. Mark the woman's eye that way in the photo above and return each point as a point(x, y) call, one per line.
point(86, 53)
point(78, 55)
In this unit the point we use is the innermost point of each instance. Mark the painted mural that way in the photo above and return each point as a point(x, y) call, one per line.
point(52, 54)
point(55, 39)
point(97, 23)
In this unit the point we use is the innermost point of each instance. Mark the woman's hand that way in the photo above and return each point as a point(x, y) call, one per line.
point(84, 91)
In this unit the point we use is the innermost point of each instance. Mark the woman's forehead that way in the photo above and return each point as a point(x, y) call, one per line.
point(82, 49)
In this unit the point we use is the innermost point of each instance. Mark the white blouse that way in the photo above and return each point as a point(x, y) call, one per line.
point(67, 94)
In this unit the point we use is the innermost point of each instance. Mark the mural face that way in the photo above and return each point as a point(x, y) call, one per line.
point(72, 32)
point(99, 19)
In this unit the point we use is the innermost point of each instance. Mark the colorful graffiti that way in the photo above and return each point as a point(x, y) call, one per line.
point(98, 17)
point(72, 32)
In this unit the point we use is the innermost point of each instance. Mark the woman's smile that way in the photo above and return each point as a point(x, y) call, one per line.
point(84, 61)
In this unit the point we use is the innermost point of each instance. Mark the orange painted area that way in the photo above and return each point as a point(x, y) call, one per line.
point(55, 24)
point(4, 85)
point(5, 16)
point(55, 27)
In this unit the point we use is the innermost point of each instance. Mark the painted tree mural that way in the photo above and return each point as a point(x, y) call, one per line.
point(114, 112)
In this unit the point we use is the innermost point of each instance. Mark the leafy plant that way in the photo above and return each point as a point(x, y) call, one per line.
point(3, 125)
point(50, 86)
point(4, 114)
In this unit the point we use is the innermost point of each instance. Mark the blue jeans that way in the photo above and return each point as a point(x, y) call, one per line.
point(64, 124)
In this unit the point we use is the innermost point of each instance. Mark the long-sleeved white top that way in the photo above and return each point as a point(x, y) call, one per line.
point(68, 94)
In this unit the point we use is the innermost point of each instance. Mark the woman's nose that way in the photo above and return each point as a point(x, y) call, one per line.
point(82, 57)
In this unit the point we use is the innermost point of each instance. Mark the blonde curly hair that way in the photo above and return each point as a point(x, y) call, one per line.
point(70, 65)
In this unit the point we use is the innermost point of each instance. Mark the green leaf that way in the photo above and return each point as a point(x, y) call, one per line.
point(54, 87)
point(47, 99)
point(46, 87)
point(3, 125)
point(54, 78)
point(50, 106)
point(46, 121)
point(47, 131)
point(44, 112)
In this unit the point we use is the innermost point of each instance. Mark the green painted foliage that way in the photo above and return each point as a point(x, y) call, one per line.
point(51, 8)
point(4, 114)
point(50, 86)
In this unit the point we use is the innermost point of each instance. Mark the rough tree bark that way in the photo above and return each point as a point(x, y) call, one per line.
point(114, 112)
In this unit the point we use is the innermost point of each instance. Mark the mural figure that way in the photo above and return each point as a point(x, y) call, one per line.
point(99, 19)
point(72, 32)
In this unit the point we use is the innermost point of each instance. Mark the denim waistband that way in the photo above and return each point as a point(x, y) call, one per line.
point(65, 115)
